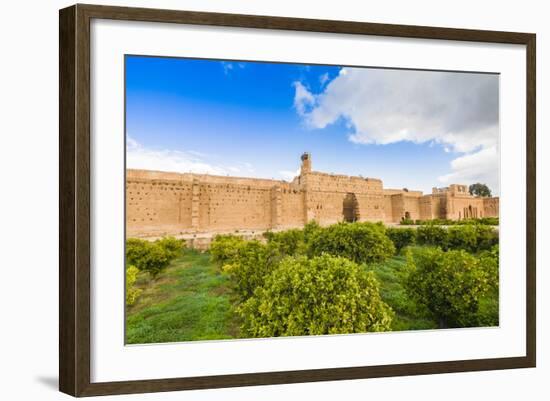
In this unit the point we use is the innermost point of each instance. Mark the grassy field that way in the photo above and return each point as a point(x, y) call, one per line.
point(390, 274)
point(191, 300)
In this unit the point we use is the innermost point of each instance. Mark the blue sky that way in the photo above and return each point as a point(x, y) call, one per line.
point(255, 119)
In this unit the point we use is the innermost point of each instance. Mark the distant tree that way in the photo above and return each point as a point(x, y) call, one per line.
point(479, 189)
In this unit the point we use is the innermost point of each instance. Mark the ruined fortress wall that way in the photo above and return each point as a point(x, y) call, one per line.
point(326, 193)
point(292, 212)
point(388, 208)
point(154, 207)
point(405, 204)
point(160, 203)
point(490, 207)
point(324, 207)
point(464, 207)
point(342, 183)
point(227, 206)
point(411, 206)
point(371, 207)
point(426, 207)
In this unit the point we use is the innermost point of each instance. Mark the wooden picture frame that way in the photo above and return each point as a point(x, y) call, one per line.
point(74, 199)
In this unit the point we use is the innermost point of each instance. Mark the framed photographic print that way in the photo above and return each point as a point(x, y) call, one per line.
point(250, 200)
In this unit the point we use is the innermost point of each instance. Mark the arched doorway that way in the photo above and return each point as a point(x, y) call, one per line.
point(350, 208)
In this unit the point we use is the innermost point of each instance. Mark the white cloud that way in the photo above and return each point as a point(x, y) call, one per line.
point(380, 106)
point(475, 167)
point(227, 67)
point(323, 79)
point(302, 98)
point(140, 157)
point(289, 175)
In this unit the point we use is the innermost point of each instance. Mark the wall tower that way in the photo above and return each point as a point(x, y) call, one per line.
point(306, 163)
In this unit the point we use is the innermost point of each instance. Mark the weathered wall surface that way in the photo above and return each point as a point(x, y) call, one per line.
point(161, 203)
point(292, 212)
point(491, 207)
point(157, 206)
point(228, 206)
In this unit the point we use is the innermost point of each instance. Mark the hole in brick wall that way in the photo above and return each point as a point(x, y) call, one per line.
point(350, 208)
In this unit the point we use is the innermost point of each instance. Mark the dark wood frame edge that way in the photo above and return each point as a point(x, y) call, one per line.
point(74, 199)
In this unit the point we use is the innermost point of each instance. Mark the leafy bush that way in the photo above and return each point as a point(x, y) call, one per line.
point(131, 292)
point(310, 229)
point(135, 250)
point(223, 248)
point(171, 245)
point(488, 221)
point(323, 295)
point(359, 242)
point(406, 222)
point(401, 237)
point(470, 237)
point(289, 242)
point(450, 284)
point(249, 265)
point(432, 235)
point(490, 263)
point(462, 237)
point(150, 257)
point(487, 237)
point(155, 260)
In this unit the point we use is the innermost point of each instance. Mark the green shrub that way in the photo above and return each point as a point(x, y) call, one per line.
point(490, 263)
point(131, 292)
point(171, 245)
point(489, 221)
point(323, 295)
point(249, 265)
point(470, 237)
point(450, 284)
point(223, 248)
point(462, 237)
point(289, 242)
point(359, 242)
point(147, 256)
point(406, 222)
point(487, 237)
point(135, 250)
point(432, 235)
point(401, 237)
point(155, 260)
point(310, 229)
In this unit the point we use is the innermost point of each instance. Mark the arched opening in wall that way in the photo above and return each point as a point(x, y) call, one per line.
point(350, 208)
point(407, 216)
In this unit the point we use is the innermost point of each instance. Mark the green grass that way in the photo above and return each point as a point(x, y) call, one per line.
point(190, 300)
point(390, 274)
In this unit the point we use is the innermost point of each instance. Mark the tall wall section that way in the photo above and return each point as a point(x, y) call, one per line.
point(491, 207)
point(325, 194)
point(159, 203)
